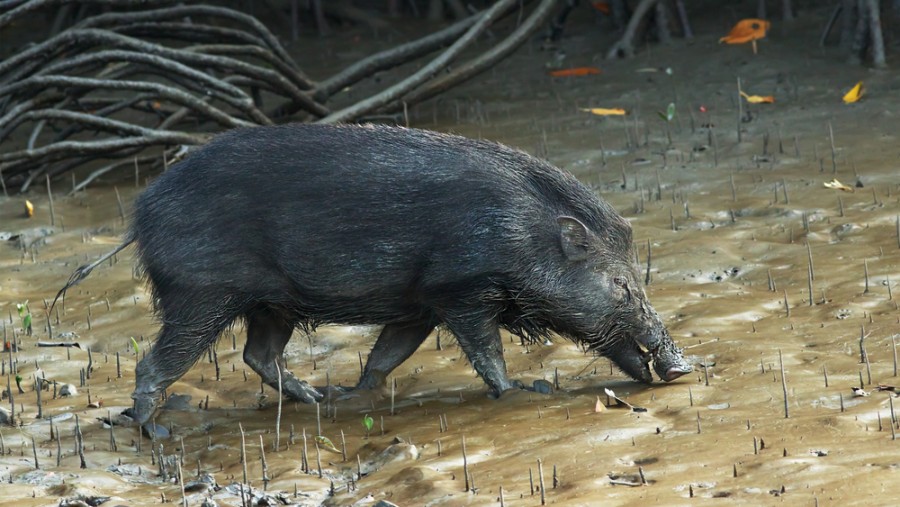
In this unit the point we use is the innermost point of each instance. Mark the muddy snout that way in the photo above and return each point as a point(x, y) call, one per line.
point(668, 360)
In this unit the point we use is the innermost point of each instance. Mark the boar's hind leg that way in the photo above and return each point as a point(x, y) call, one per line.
point(394, 345)
point(480, 340)
point(177, 349)
point(267, 335)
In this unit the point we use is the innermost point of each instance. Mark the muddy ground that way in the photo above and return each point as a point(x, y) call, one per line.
point(724, 431)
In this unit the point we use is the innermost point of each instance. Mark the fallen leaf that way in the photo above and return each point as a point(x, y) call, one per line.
point(326, 443)
point(837, 185)
point(575, 72)
point(602, 7)
point(858, 392)
point(620, 401)
point(855, 93)
point(598, 407)
point(29, 209)
point(746, 30)
point(600, 111)
point(758, 99)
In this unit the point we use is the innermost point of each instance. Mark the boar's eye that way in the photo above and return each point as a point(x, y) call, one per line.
point(619, 281)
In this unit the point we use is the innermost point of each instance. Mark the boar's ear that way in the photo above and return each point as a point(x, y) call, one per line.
point(574, 237)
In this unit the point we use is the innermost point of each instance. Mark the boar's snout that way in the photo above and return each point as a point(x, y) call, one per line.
point(668, 360)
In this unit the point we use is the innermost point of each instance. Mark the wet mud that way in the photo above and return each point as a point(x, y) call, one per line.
point(734, 231)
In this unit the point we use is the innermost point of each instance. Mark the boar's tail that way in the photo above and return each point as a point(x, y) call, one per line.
point(83, 271)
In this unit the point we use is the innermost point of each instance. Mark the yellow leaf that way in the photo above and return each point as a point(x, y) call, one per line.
point(855, 93)
point(29, 209)
point(838, 185)
point(575, 72)
point(600, 111)
point(746, 30)
point(598, 407)
point(759, 99)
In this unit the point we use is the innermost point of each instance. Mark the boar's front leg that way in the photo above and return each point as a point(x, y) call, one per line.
point(479, 337)
point(394, 345)
point(267, 335)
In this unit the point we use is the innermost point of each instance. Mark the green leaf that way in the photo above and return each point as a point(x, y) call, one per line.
point(18, 379)
point(22, 308)
point(670, 112)
point(368, 422)
point(135, 345)
point(26, 322)
point(326, 443)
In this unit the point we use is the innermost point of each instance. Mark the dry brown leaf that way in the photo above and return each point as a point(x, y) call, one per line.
point(835, 184)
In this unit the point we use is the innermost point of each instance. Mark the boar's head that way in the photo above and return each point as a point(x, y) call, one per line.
point(600, 301)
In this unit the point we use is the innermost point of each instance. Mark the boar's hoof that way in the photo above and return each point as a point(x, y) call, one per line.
point(145, 406)
point(541, 386)
point(515, 385)
point(300, 390)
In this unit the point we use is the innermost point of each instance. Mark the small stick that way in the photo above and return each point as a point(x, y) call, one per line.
point(318, 459)
point(649, 256)
point(783, 385)
point(541, 480)
point(393, 389)
point(343, 447)
point(787, 308)
point(893, 433)
point(502, 504)
point(265, 466)
point(825, 375)
point(733, 190)
point(740, 109)
point(887, 281)
point(894, 350)
point(465, 463)
point(119, 203)
point(278, 416)
point(784, 191)
point(50, 200)
point(698, 422)
point(37, 465)
point(184, 502)
point(841, 205)
point(531, 480)
point(243, 452)
point(833, 156)
point(866, 272)
point(318, 419)
point(771, 281)
point(809, 281)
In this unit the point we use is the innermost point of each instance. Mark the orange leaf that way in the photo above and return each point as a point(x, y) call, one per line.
point(575, 71)
point(758, 99)
point(602, 111)
point(602, 7)
point(746, 30)
point(855, 93)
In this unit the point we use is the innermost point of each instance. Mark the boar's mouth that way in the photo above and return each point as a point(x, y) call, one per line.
point(629, 354)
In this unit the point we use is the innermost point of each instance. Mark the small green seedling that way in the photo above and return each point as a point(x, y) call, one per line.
point(134, 345)
point(19, 384)
point(668, 116)
point(25, 315)
point(369, 423)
